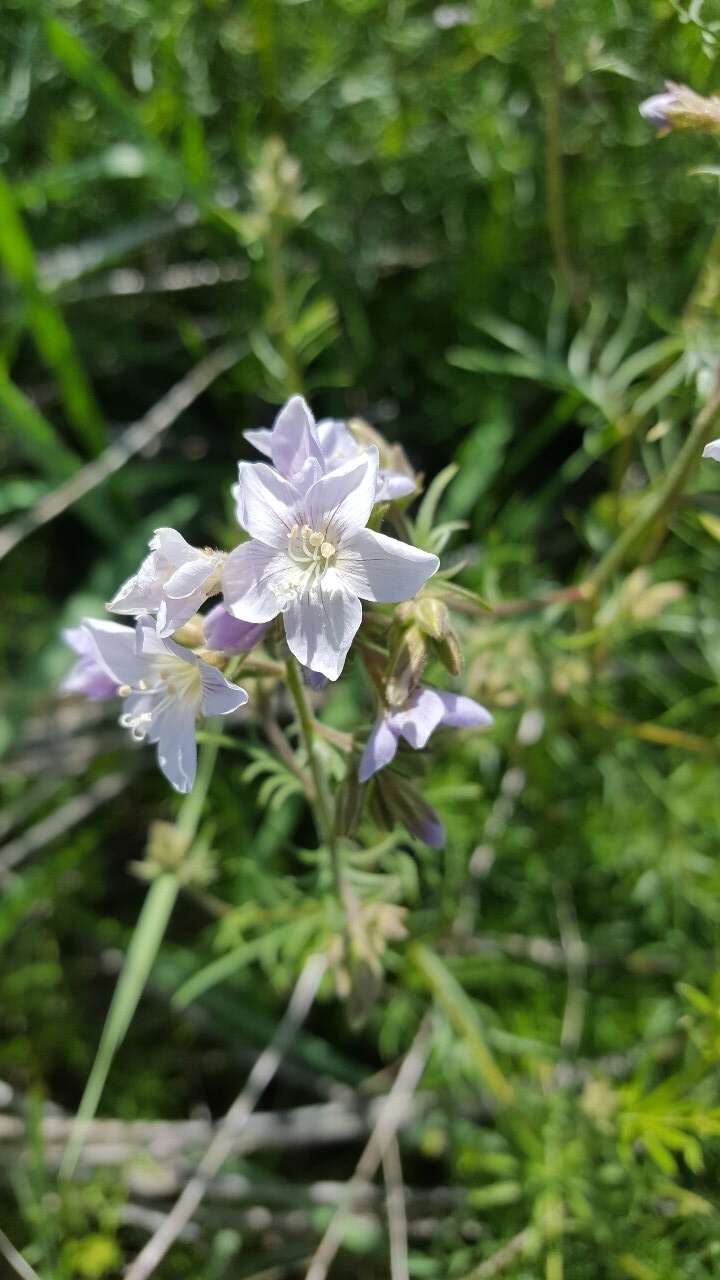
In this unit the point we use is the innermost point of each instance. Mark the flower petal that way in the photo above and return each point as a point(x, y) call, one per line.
point(261, 439)
point(173, 614)
point(419, 717)
point(249, 574)
point(392, 485)
point(712, 450)
point(265, 503)
point(460, 712)
point(294, 438)
point(337, 443)
point(219, 696)
point(189, 577)
point(174, 731)
point(380, 749)
point(320, 626)
point(116, 651)
point(339, 503)
point(383, 569)
point(141, 593)
point(172, 547)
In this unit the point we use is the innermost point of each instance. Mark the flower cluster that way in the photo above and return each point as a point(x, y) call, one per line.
point(312, 555)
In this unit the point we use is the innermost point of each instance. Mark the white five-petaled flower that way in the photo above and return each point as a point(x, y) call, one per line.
point(172, 582)
point(311, 558)
point(301, 449)
point(165, 689)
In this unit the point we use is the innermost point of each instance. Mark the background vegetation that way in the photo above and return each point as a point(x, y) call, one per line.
point(453, 221)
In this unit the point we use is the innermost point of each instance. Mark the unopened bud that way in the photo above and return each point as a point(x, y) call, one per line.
point(405, 805)
point(407, 665)
point(190, 633)
point(450, 654)
point(433, 617)
point(213, 658)
point(679, 107)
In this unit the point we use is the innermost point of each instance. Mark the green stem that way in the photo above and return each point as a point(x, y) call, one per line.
point(324, 819)
point(555, 179)
point(144, 944)
point(663, 501)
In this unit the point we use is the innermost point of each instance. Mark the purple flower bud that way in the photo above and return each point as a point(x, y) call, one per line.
point(86, 677)
point(230, 635)
point(425, 825)
point(655, 110)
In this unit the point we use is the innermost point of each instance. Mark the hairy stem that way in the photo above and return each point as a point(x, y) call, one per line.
point(323, 808)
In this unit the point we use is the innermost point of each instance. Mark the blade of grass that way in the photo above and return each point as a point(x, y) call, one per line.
point(464, 1017)
point(144, 946)
point(47, 325)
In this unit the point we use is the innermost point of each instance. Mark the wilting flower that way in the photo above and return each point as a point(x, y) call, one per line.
point(423, 712)
point(227, 634)
point(86, 676)
point(301, 448)
point(166, 688)
point(311, 558)
point(172, 582)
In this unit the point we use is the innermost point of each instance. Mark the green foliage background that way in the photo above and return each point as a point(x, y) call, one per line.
point(452, 221)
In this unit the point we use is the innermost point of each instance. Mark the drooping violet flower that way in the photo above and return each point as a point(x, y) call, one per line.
point(166, 688)
point(227, 634)
point(298, 446)
point(172, 582)
point(424, 823)
point(311, 558)
point(86, 676)
point(424, 712)
point(712, 450)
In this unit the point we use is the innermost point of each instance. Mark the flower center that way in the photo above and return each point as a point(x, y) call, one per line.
point(173, 679)
point(310, 549)
point(310, 554)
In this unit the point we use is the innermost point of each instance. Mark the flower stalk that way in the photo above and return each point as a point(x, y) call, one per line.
point(324, 819)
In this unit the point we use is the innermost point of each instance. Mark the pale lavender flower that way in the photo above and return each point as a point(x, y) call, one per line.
point(86, 676)
point(229, 635)
point(339, 445)
point(301, 449)
point(656, 110)
point(311, 558)
point(166, 688)
point(426, 710)
point(172, 582)
point(712, 450)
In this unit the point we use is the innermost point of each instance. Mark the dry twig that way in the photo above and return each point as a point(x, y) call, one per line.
point(262, 1073)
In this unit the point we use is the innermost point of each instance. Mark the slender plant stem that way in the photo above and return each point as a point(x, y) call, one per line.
point(555, 179)
point(325, 820)
point(663, 501)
